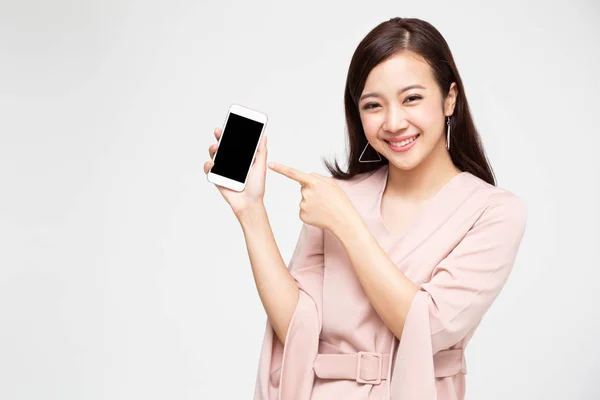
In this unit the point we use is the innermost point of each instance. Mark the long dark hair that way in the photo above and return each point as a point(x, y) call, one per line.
point(419, 37)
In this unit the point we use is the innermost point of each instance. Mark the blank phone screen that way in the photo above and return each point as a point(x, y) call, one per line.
point(236, 148)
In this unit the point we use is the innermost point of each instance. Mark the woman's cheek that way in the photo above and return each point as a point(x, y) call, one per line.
point(371, 126)
point(422, 117)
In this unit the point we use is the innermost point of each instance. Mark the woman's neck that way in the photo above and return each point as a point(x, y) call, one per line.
point(423, 181)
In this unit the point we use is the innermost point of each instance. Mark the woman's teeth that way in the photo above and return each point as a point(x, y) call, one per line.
point(404, 142)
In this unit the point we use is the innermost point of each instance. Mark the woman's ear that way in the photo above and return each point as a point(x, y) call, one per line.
point(450, 101)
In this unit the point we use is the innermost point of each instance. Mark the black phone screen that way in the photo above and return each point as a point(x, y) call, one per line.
point(236, 148)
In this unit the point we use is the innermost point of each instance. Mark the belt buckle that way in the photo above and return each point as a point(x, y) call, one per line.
point(375, 381)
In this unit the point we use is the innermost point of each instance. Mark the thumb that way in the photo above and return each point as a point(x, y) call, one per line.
point(262, 150)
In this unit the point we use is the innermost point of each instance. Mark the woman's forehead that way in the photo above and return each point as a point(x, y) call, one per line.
point(398, 72)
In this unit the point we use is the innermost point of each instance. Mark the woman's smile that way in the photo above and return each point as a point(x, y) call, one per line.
point(403, 145)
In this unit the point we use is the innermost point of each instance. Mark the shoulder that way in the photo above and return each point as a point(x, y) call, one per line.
point(359, 183)
point(355, 180)
point(499, 204)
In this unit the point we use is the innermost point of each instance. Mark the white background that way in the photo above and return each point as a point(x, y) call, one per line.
point(124, 274)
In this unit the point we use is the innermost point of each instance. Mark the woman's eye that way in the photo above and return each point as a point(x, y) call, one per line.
point(413, 98)
point(409, 99)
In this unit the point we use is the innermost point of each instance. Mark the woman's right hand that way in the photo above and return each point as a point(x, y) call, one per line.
point(254, 191)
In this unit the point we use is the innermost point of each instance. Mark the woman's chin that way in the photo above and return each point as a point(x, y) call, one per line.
point(403, 164)
point(404, 161)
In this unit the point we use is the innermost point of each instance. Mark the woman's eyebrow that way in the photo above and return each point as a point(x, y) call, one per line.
point(404, 89)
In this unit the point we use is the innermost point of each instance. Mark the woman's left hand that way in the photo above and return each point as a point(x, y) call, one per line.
point(324, 204)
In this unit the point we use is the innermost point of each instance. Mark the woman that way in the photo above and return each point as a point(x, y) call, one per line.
point(400, 256)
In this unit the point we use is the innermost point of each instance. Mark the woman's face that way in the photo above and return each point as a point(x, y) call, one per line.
point(402, 100)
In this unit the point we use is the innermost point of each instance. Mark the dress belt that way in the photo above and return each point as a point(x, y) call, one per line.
point(372, 368)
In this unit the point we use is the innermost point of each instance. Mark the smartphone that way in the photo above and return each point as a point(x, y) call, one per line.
point(242, 131)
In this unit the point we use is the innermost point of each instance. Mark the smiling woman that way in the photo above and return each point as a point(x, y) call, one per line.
point(402, 83)
point(398, 258)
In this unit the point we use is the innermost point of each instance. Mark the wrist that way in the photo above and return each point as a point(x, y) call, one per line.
point(346, 224)
point(250, 212)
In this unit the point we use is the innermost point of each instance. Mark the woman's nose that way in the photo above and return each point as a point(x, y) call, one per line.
point(395, 120)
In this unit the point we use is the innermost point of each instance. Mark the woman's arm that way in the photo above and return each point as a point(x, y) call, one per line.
point(387, 288)
point(277, 288)
point(463, 285)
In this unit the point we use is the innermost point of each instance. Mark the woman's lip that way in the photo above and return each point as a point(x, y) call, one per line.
point(400, 149)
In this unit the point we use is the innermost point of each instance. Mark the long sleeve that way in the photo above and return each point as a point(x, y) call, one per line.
point(286, 372)
point(461, 289)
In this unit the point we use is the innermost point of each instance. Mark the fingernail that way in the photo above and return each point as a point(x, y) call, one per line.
point(271, 165)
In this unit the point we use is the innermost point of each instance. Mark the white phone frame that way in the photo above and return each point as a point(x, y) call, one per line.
point(250, 114)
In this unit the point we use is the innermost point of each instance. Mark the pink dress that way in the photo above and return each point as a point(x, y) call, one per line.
point(459, 250)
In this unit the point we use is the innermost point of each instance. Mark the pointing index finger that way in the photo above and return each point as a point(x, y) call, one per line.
point(291, 173)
